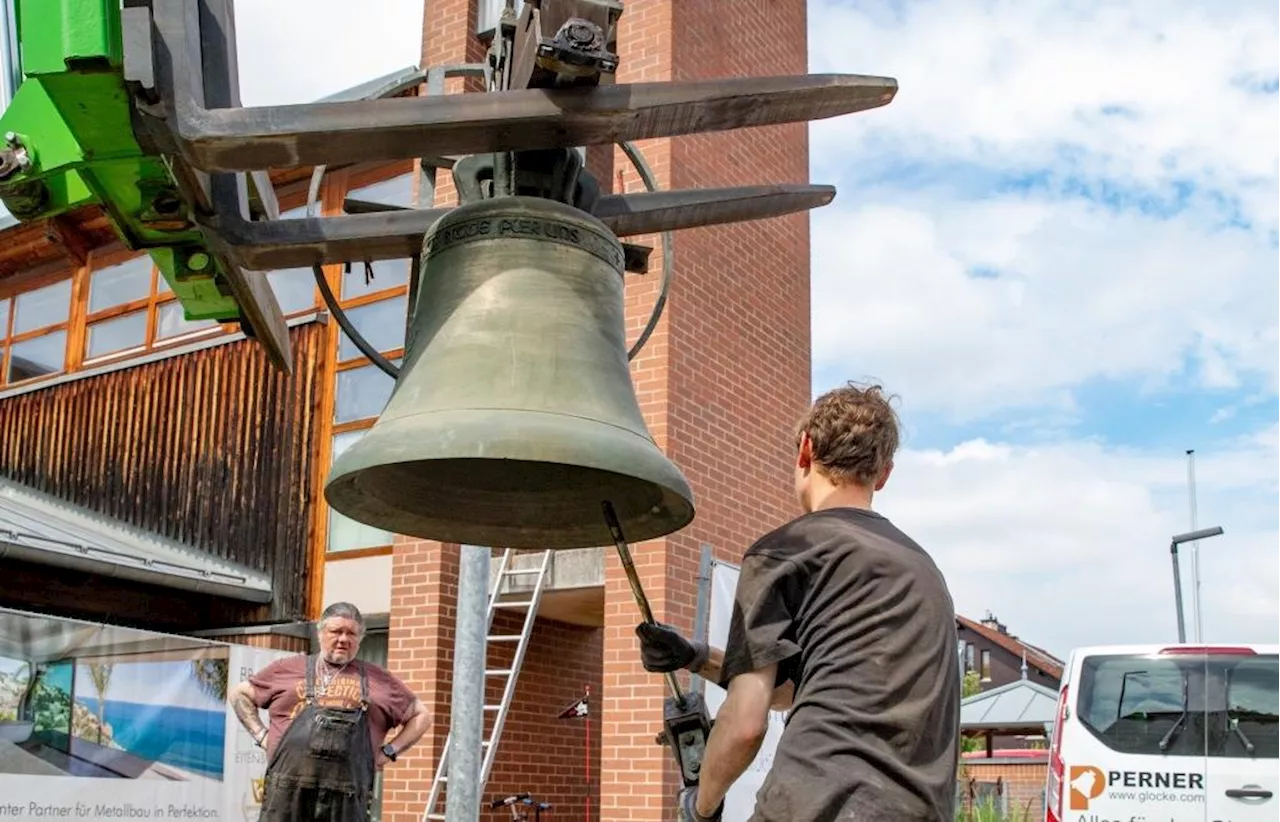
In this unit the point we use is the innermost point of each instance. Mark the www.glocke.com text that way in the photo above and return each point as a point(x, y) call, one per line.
point(103, 810)
point(1154, 796)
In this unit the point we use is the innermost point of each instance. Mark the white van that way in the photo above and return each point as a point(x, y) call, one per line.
point(1166, 733)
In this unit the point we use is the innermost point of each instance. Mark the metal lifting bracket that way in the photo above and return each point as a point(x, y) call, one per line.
point(172, 171)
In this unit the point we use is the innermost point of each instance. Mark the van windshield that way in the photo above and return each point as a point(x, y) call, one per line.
point(1182, 705)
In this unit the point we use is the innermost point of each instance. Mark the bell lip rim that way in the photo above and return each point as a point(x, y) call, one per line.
point(342, 483)
point(343, 494)
point(493, 538)
point(344, 490)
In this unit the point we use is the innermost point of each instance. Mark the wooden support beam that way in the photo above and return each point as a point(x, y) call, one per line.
point(62, 233)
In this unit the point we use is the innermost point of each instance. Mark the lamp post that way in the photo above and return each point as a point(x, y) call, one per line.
point(1179, 539)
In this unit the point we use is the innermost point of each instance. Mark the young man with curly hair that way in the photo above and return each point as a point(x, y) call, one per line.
point(845, 622)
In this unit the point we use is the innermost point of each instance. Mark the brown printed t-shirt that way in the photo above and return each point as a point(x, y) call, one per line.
point(280, 686)
point(859, 618)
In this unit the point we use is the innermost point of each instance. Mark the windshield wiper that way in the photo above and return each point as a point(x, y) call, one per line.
point(1235, 727)
point(1177, 726)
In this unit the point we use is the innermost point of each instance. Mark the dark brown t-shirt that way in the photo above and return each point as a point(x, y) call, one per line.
point(279, 688)
point(859, 618)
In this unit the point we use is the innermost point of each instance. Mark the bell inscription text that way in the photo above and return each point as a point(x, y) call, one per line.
point(459, 233)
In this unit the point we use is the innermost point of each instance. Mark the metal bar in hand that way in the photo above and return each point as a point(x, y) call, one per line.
point(624, 554)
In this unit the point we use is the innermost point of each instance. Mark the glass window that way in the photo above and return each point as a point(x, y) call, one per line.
point(380, 323)
point(1134, 703)
point(373, 648)
point(122, 283)
point(171, 321)
point(43, 307)
point(53, 699)
point(386, 273)
point(397, 191)
point(1253, 708)
point(346, 534)
point(4, 317)
point(986, 664)
point(361, 393)
point(116, 334)
point(38, 357)
point(489, 12)
point(295, 288)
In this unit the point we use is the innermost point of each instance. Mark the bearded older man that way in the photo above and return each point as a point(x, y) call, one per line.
point(329, 716)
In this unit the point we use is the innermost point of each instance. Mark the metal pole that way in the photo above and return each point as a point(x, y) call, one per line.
point(1177, 591)
point(1195, 546)
point(466, 730)
point(701, 612)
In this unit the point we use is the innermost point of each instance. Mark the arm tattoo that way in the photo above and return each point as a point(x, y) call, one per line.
point(247, 713)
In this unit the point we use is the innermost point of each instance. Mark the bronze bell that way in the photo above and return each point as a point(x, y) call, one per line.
point(514, 416)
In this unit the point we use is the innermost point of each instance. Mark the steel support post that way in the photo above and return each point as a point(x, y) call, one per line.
point(466, 729)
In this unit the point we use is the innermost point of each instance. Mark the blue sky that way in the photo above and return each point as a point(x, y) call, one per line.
point(1058, 247)
point(149, 683)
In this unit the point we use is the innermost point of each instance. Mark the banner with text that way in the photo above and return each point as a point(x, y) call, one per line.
point(741, 799)
point(106, 722)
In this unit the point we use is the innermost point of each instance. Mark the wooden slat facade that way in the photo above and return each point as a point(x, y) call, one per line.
point(212, 448)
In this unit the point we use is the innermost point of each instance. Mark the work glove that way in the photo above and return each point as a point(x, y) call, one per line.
point(687, 808)
point(663, 649)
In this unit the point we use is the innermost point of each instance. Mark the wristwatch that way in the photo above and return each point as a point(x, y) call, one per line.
point(389, 751)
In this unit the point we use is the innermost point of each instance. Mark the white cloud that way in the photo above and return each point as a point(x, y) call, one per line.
point(1068, 544)
point(296, 51)
point(963, 266)
point(1005, 89)
point(1010, 82)
point(1083, 294)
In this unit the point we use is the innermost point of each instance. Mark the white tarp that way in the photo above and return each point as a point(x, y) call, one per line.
point(115, 723)
point(741, 799)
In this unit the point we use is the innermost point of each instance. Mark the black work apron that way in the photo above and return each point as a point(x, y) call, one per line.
point(323, 768)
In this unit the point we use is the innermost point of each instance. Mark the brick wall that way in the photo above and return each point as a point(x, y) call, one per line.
point(538, 752)
point(721, 382)
point(1022, 781)
point(424, 593)
point(725, 377)
point(636, 776)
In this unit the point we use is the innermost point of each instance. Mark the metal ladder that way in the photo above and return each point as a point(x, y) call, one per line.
point(490, 745)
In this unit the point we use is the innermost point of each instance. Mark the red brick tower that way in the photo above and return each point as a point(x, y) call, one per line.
point(722, 381)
